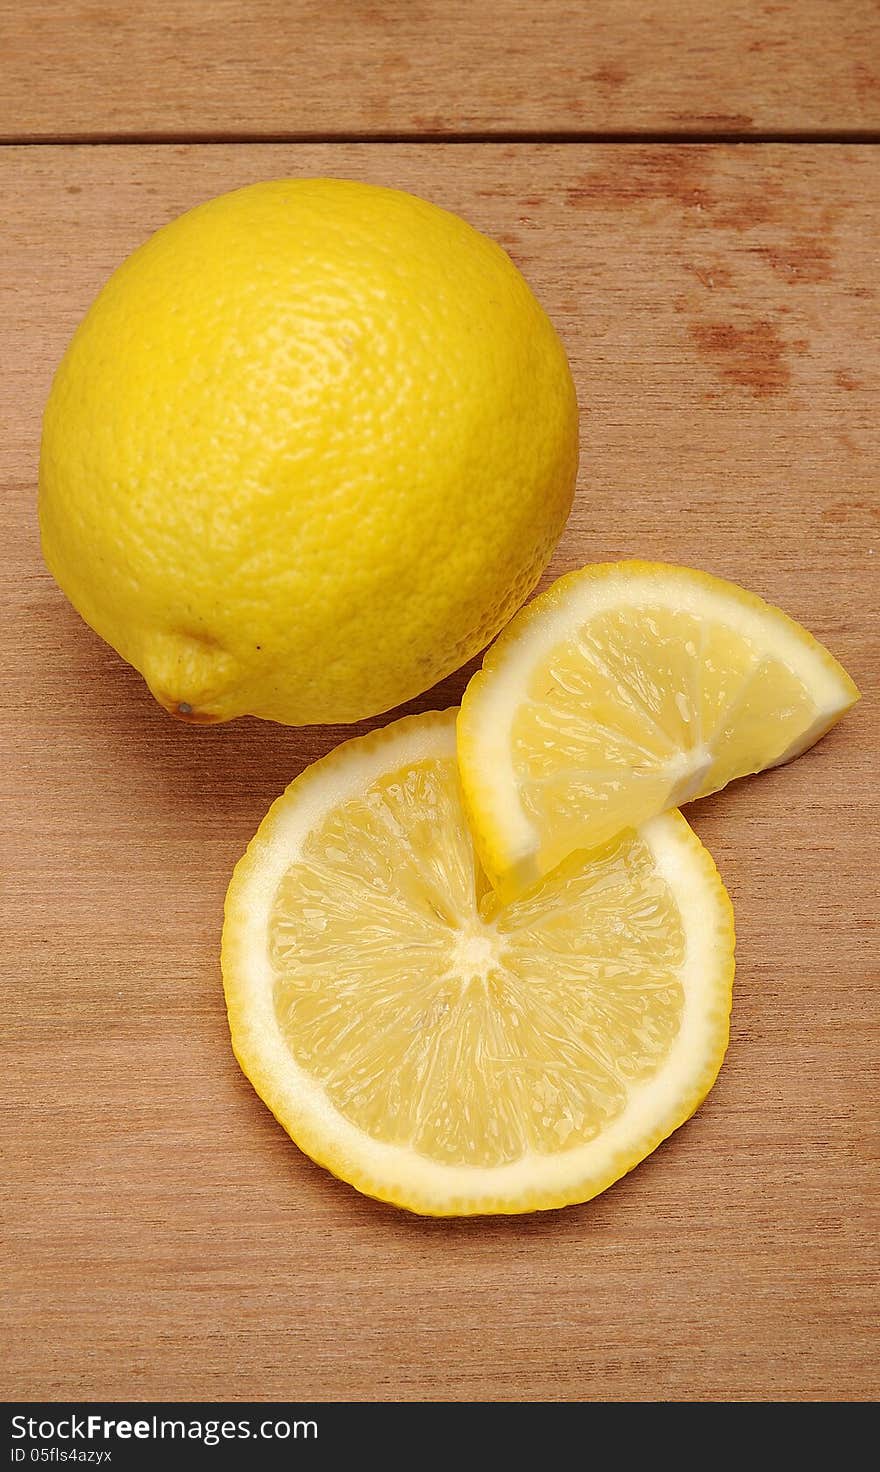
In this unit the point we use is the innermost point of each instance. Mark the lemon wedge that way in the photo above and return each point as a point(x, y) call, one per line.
point(627, 689)
point(443, 1051)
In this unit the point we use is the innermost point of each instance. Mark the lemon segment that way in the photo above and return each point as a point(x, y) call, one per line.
point(438, 1049)
point(624, 690)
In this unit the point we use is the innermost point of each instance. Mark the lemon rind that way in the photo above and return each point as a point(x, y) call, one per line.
point(399, 1175)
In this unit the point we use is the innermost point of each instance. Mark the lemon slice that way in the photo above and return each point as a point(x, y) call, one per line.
point(444, 1052)
point(626, 689)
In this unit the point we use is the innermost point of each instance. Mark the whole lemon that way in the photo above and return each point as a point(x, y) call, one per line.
point(308, 450)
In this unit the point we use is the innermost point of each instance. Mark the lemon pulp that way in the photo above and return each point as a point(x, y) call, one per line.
point(646, 709)
point(469, 1035)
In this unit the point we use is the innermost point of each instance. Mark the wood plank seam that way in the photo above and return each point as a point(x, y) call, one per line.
point(870, 136)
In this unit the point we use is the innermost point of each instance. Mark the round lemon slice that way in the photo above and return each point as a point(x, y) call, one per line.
point(626, 689)
point(438, 1049)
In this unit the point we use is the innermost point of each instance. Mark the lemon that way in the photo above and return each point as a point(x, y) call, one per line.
point(308, 450)
point(444, 1052)
point(624, 690)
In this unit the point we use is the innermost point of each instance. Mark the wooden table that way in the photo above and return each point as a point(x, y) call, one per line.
point(719, 302)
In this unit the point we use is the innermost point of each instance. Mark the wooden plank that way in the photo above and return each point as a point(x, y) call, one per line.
point(321, 68)
point(168, 1241)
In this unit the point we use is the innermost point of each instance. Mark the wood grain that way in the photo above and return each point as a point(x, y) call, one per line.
point(167, 1240)
point(319, 68)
